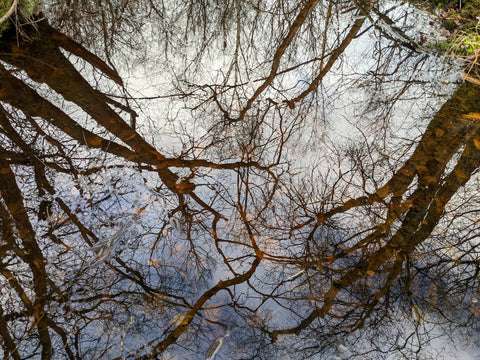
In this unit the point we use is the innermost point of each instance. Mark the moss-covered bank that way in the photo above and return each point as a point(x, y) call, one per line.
point(462, 19)
point(23, 8)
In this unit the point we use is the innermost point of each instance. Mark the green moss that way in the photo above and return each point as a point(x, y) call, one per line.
point(461, 44)
point(441, 46)
point(29, 7)
point(4, 6)
point(26, 8)
point(462, 19)
point(471, 10)
point(470, 43)
point(449, 24)
point(456, 14)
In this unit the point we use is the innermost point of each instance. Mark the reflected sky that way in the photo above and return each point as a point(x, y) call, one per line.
point(202, 180)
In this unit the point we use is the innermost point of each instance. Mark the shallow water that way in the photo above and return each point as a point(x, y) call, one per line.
point(193, 180)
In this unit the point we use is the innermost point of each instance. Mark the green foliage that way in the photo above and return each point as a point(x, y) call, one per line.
point(471, 9)
point(462, 19)
point(26, 8)
point(469, 43)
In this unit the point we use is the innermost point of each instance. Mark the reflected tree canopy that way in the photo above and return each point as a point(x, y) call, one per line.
point(235, 180)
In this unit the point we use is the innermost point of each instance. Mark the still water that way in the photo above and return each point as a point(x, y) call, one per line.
point(236, 180)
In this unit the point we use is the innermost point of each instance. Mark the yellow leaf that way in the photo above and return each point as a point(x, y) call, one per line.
point(475, 116)
point(476, 142)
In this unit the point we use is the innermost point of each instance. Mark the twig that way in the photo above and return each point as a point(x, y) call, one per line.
point(10, 11)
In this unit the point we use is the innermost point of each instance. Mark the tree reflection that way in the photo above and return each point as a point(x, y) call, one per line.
point(115, 247)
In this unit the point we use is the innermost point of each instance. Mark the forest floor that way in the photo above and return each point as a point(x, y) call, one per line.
point(461, 20)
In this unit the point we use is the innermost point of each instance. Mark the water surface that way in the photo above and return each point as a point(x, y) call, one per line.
point(236, 180)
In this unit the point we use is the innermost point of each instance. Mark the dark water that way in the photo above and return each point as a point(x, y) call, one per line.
point(236, 180)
